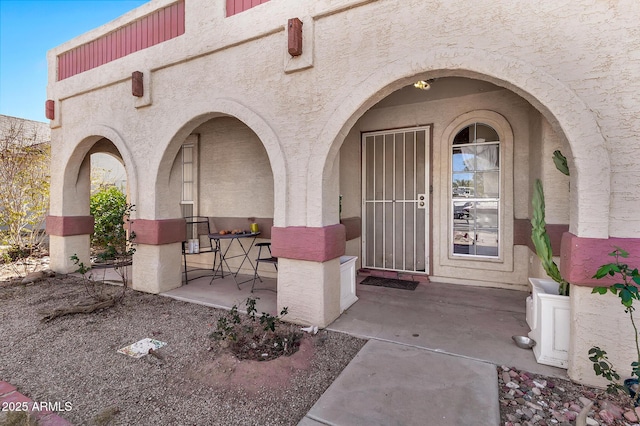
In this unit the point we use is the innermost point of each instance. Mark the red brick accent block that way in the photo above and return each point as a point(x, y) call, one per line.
point(353, 226)
point(580, 258)
point(306, 243)
point(137, 84)
point(157, 232)
point(522, 234)
point(65, 226)
point(49, 109)
point(295, 37)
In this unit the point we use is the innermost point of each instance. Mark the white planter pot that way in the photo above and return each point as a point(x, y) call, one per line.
point(548, 315)
point(347, 282)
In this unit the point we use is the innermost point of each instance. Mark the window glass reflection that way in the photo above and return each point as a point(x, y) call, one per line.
point(475, 192)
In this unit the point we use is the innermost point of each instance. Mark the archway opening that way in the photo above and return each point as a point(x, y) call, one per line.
point(221, 181)
point(380, 185)
point(93, 204)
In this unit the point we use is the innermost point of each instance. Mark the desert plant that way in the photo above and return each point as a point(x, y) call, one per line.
point(627, 291)
point(247, 340)
point(561, 162)
point(541, 239)
point(539, 234)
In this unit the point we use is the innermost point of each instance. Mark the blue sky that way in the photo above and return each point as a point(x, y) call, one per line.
point(28, 29)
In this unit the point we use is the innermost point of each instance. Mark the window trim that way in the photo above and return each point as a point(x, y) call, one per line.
point(452, 200)
point(191, 141)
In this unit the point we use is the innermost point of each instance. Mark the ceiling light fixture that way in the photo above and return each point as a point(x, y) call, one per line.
point(422, 85)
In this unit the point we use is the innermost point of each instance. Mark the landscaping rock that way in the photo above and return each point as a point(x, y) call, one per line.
point(540, 401)
point(630, 416)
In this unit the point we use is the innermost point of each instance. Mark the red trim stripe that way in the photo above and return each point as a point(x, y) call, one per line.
point(237, 6)
point(157, 27)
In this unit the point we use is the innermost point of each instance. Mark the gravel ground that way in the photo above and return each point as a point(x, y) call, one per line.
point(73, 359)
point(532, 400)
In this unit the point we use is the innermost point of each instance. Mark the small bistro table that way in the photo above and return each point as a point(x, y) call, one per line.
point(219, 271)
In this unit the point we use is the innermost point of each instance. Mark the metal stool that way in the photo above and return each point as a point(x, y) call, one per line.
point(270, 259)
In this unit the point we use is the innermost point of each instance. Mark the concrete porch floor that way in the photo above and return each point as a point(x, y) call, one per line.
point(465, 321)
point(223, 293)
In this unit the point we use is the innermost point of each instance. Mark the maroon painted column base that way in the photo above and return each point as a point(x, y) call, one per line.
point(158, 232)
point(580, 257)
point(153, 232)
point(307, 243)
point(65, 226)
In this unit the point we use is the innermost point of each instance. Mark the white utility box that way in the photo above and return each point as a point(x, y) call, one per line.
point(347, 282)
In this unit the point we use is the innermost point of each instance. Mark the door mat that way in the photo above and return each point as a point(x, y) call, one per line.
point(390, 282)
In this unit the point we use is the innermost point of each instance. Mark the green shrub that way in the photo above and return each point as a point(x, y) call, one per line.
point(109, 207)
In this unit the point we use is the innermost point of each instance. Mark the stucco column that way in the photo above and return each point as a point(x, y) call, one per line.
point(157, 268)
point(69, 236)
point(310, 291)
point(69, 225)
point(597, 320)
point(309, 272)
point(157, 262)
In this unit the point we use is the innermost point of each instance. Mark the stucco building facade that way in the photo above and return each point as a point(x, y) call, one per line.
point(337, 147)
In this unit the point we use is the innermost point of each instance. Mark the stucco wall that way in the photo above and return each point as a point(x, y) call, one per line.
point(235, 175)
point(591, 326)
point(537, 35)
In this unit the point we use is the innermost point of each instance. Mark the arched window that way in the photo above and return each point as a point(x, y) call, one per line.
point(475, 196)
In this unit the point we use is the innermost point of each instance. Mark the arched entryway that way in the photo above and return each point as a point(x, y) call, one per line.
point(220, 167)
point(70, 224)
point(538, 116)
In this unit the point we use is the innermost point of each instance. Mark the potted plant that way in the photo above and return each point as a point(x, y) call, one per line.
point(627, 291)
point(548, 309)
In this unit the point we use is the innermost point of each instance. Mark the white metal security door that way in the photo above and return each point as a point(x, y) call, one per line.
point(395, 188)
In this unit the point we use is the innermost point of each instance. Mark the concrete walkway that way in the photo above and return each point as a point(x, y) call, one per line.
point(392, 384)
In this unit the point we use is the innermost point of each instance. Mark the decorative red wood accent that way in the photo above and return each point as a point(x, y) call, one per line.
point(49, 109)
point(353, 227)
point(137, 86)
point(157, 27)
point(237, 6)
point(295, 37)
